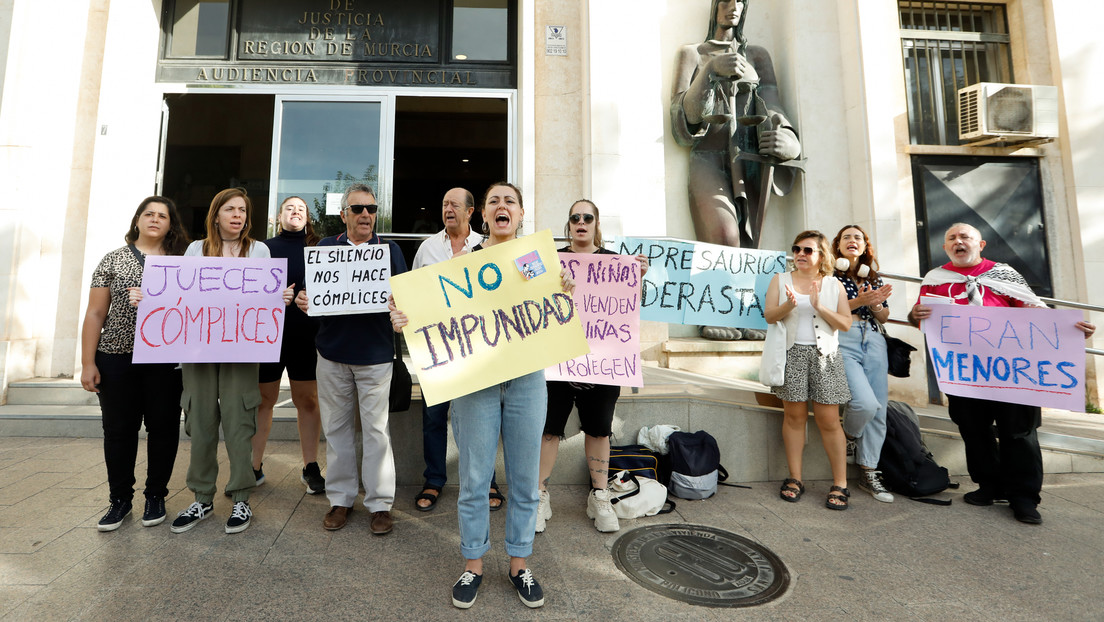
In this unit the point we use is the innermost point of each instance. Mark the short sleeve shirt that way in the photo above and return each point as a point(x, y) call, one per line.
point(117, 271)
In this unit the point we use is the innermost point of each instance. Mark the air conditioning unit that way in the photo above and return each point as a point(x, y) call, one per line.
point(1011, 112)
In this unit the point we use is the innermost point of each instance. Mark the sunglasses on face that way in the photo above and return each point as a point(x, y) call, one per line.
point(802, 250)
point(587, 218)
point(357, 209)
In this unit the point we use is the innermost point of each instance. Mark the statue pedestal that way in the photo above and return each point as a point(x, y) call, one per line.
point(721, 359)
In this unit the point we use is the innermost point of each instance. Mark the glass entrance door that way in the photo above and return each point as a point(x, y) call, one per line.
point(322, 146)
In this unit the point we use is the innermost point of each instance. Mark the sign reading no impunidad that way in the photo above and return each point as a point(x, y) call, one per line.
point(348, 279)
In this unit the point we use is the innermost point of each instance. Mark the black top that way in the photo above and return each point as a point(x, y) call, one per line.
point(289, 245)
point(360, 338)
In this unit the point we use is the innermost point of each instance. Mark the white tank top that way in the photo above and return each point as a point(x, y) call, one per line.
point(805, 336)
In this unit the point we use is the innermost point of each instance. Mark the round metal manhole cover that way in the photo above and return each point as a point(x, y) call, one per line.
point(701, 565)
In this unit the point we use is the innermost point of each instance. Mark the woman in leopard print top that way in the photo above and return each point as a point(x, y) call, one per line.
point(130, 394)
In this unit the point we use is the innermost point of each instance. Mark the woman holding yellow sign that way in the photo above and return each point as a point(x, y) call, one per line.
point(514, 410)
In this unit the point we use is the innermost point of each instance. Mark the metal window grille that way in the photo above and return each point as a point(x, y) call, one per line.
point(946, 46)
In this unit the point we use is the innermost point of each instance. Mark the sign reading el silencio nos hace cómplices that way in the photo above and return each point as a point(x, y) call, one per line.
point(347, 279)
point(1024, 356)
point(607, 299)
point(476, 321)
point(210, 310)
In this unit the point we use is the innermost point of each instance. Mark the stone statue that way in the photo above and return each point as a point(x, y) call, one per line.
point(742, 145)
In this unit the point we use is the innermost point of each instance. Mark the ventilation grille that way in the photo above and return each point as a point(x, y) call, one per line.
point(1010, 111)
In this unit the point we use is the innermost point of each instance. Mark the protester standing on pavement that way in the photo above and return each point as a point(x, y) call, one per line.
point(513, 410)
point(457, 238)
point(813, 307)
point(595, 402)
point(130, 394)
point(222, 394)
point(355, 359)
point(864, 355)
point(1012, 469)
point(297, 354)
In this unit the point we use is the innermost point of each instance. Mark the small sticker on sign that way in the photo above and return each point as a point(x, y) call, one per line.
point(530, 265)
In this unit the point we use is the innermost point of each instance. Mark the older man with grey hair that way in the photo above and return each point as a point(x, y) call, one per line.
point(355, 355)
point(1012, 469)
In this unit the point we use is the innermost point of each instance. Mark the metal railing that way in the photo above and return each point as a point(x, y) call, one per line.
point(1050, 301)
point(1072, 304)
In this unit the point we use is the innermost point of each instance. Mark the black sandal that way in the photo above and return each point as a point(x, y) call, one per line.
point(797, 492)
point(495, 494)
point(838, 495)
point(425, 495)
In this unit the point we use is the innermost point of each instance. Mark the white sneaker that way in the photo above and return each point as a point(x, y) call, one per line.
point(544, 511)
point(871, 481)
point(601, 510)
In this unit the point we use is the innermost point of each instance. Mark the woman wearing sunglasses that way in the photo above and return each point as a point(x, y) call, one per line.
point(813, 307)
point(513, 410)
point(864, 355)
point(595, 402)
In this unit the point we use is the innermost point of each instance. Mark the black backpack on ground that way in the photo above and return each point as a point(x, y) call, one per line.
point(695, 465)
point(907, 467)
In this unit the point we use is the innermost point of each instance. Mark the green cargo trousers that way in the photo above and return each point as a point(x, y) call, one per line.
point(226, 394)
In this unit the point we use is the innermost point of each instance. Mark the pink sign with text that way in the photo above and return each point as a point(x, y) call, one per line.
point(1023, 356)
point(210, 310)
point(607, 299)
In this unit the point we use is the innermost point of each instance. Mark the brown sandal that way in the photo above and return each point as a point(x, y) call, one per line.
point(837, 498)
point(788, 488)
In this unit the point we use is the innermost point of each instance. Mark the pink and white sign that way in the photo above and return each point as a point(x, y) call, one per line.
point(607, 299)
point(1024, 356)
point(210, 310)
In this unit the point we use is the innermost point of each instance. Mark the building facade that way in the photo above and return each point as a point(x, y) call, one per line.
point(103, 103)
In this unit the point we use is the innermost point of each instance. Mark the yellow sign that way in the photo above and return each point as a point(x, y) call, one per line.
point(488, 317)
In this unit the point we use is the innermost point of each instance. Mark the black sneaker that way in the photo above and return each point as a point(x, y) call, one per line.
point(312, 477)
point(529, 591)
point(189, 517)
point(983, 496)
point(115, 515)
point(466, 589)
point(155, 511)
point(239, 517)
point(1025, 511)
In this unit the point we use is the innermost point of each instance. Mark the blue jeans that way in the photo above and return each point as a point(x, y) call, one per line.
point(864, 417)
point(514, 409)
point(435, 444)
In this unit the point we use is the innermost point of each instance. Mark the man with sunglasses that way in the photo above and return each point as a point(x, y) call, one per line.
point(355, 354)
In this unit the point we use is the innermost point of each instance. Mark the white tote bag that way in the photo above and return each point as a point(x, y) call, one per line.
point(772, 367)
point(634, 497)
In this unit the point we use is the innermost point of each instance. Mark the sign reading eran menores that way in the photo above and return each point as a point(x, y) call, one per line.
point(1023, 356)
point(210, 310)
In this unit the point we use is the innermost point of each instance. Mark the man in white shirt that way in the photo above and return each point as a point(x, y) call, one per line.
point(454, 240)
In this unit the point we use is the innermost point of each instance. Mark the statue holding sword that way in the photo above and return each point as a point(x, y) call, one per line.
point(742, 146)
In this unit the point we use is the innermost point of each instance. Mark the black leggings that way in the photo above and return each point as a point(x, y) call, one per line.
point(130, 394)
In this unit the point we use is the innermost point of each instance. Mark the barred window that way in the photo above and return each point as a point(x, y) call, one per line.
point(947, 46)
